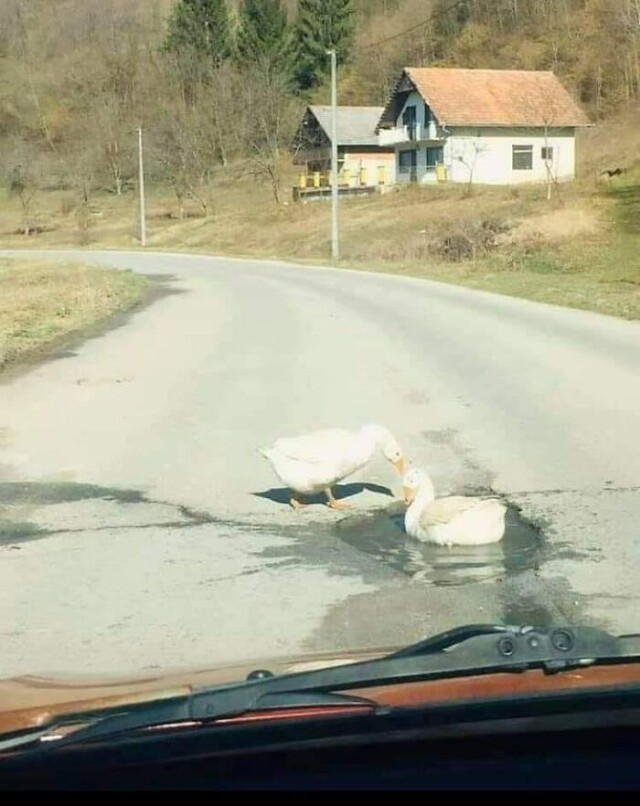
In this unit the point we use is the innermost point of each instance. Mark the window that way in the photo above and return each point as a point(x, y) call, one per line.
point(546, 153)
point(409, 119)
point(406, 161)
point(434, 157)
point(522, 158)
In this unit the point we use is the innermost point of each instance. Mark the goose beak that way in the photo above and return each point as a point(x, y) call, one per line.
point(400, 465)
point(408, 494)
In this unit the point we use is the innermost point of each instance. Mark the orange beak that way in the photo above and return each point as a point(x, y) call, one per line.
point(408, 494)
point(400, 465)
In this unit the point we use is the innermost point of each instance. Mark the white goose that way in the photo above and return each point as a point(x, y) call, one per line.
point(451, 521)
point(312, 463)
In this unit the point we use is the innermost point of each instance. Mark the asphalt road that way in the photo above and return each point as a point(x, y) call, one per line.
point(140, 528)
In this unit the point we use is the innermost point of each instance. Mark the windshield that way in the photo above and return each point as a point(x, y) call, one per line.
point(318, 327)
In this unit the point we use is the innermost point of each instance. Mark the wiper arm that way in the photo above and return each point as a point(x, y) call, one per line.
point(446, 640)
point(470, 650)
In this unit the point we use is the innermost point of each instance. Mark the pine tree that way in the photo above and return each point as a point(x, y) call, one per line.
point(321, 25)
point(263, 33)
point(200, 26)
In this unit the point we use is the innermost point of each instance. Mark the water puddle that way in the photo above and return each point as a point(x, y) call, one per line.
point(381, 535)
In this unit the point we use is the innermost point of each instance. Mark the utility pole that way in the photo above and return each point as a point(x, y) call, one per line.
point(335, 247)
point(143, 223)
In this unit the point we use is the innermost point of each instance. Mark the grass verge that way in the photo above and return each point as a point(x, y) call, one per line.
point(592, 275)
point(42, 304)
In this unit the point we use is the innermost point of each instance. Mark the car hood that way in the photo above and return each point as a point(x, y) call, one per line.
point(31, 701)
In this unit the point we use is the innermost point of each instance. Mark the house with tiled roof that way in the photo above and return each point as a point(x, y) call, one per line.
point(363, 163)
point(499, 127)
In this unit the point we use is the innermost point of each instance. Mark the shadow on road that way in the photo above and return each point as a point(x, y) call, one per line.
point(282, 495)
point(35, 495)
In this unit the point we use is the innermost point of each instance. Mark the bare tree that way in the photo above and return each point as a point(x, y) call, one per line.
point(23, 183)
point(627, 17)
point(28, 57)
point(468, 156)
point(116, 105)
point(271, 126)
point(80, 168)
point(183, 149)
point(113, 134)
point(208, 95)
point(548, 107)
point(548, 160)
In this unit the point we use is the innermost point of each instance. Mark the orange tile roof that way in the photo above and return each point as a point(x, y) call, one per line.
point(461, 97)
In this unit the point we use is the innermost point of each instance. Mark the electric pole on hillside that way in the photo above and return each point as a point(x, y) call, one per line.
point(335, 248)
point(143, 223)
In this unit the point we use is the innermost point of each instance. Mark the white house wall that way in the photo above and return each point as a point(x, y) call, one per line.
point(490, 153)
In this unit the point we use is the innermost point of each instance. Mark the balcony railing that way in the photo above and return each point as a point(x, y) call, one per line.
point(408, 134)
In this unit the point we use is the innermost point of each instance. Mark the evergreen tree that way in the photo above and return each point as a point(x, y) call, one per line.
point(320, 26)
point(263, 34)
point(200, 26)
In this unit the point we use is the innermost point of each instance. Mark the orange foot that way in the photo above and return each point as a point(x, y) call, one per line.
point(333, 504)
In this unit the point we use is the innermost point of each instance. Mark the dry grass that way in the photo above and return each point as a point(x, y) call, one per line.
point(41, 304)
point(587, 275)
point(569, 251)
point(612, 143)
point(245, 221)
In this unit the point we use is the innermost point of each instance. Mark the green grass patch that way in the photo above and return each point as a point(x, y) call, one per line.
point(627, 207)
point(595, 275)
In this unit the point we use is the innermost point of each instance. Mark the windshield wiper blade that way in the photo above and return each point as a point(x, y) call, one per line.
point(470, 650)
point(184, 710)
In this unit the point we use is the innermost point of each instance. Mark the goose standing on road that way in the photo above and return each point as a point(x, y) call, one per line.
point(314, 462)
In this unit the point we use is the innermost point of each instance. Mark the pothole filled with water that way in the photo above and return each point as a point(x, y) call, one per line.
point(381, 534)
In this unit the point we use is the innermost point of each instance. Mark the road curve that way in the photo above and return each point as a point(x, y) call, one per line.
point(537, 402)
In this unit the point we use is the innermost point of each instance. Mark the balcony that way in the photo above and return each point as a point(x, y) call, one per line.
point(409, 134)
point(393, 137)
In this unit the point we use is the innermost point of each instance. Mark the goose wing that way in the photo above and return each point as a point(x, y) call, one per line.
point(444, 510)
point(319, 447)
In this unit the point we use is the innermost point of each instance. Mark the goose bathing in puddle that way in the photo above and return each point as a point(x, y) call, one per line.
point(314, 462)
point(452, 521)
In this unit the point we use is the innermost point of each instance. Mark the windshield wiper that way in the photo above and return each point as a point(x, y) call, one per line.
point(470, 650)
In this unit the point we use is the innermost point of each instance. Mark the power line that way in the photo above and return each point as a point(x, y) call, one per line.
point(430, 18)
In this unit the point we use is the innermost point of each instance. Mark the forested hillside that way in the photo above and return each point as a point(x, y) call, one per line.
point(222, 82)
